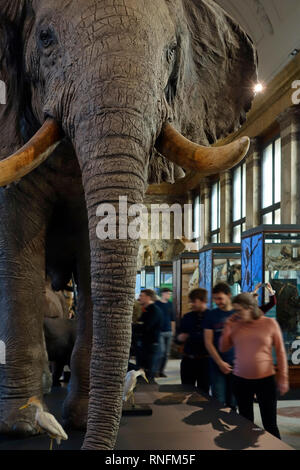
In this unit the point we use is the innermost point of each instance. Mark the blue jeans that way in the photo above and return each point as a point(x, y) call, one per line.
point(221, 385)
point(165, 347)
point(147, 358)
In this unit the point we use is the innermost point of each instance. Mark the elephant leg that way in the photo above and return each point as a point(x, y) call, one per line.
point(75, 407)
point(22, 304)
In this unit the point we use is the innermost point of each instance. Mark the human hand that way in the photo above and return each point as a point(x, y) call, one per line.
point(270, 288)
point(283, 387)
point(183, 337)
point(257, 287)
point(225, 367)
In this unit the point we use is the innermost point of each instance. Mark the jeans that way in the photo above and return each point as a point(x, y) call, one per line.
point(266, 394)
point(195, 371)
point(221, 385)
point(165, 347)
point(147, 358)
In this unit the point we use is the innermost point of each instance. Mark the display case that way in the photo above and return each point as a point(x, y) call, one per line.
point(185, 278)
point(271, 253)
point(163, 275)
point(138, 284)
point(220, 262)
point(147, 277)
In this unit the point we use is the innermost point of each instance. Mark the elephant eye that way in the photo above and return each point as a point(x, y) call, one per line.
point(46, 38)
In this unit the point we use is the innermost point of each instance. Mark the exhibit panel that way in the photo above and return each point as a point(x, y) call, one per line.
point(185, 278)
point(163, 275)
point(271, 253)
point(220, 263)
point(147, 277)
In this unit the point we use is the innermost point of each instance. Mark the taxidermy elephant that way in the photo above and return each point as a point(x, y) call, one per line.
point(100, 94)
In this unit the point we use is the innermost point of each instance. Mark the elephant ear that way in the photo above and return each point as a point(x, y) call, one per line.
point(219, 75)
point(11, 60)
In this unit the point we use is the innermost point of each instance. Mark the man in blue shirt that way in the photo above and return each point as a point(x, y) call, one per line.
point(220, 363)
point(167, 329)
point(194, 367)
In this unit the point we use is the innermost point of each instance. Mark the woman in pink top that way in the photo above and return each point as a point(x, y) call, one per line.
point(253, 335)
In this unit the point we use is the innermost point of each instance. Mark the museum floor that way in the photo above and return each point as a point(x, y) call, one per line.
point(182, 420)
point(288, 409)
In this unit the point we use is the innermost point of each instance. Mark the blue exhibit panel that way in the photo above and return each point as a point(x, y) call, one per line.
point(246, 265)
point(257, 264)
point(252, 264)
point(202, 270)
point(205, 272)
point(208, 275)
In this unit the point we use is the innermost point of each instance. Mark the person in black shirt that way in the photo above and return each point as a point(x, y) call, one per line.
point(151, 323)
point(167, 330)
point(194, 368)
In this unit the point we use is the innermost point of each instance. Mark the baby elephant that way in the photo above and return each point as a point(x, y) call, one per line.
point(60, 336)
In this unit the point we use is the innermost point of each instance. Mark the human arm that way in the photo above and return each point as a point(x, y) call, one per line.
point(209, 344)
point(225, 343)
point(272, 301)
point(282, 365)
point(173, 318)
point(184, 330)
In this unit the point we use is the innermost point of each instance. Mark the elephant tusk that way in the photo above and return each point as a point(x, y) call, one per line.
point(206, 160)
point(32, 154)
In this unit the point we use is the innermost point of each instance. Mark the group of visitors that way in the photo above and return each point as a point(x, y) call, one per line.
point(227, 351)
point(154, 337)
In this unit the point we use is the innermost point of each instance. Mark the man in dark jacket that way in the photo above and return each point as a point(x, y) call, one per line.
point(194, 368)
point(168, 328)
point(150, 328)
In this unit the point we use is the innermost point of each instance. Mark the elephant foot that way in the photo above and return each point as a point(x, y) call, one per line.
point(75, 411)
point(16, 422)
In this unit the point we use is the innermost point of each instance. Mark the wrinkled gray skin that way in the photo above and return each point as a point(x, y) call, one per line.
point(111, 72)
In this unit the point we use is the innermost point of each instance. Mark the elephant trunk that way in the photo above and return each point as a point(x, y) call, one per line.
point(113, 165)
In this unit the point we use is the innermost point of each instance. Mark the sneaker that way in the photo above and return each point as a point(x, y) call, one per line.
point(161, 374)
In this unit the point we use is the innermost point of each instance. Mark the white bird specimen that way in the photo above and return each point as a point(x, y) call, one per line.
point(46, 422)
point(130, 384)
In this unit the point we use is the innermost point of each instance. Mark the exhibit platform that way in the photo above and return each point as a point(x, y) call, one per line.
point(182, 419)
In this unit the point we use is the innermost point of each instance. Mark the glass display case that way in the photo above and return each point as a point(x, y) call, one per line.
point(147, 277)
point(163, 275)
point(271, 253)
point(220, 262)
point(138, 284)
point(185, 278)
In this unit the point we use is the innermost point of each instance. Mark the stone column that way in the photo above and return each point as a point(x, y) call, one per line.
point(289, 122)
point(226, 206)
point(253, 183)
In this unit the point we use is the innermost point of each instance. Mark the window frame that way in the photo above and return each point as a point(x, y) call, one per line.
point(274, 206)
point(239, 222)
point(216, 232)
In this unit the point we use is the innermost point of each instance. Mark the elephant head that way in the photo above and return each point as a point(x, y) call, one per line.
point(126, 84)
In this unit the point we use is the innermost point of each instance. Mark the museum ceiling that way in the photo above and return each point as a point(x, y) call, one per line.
point(274, 28)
